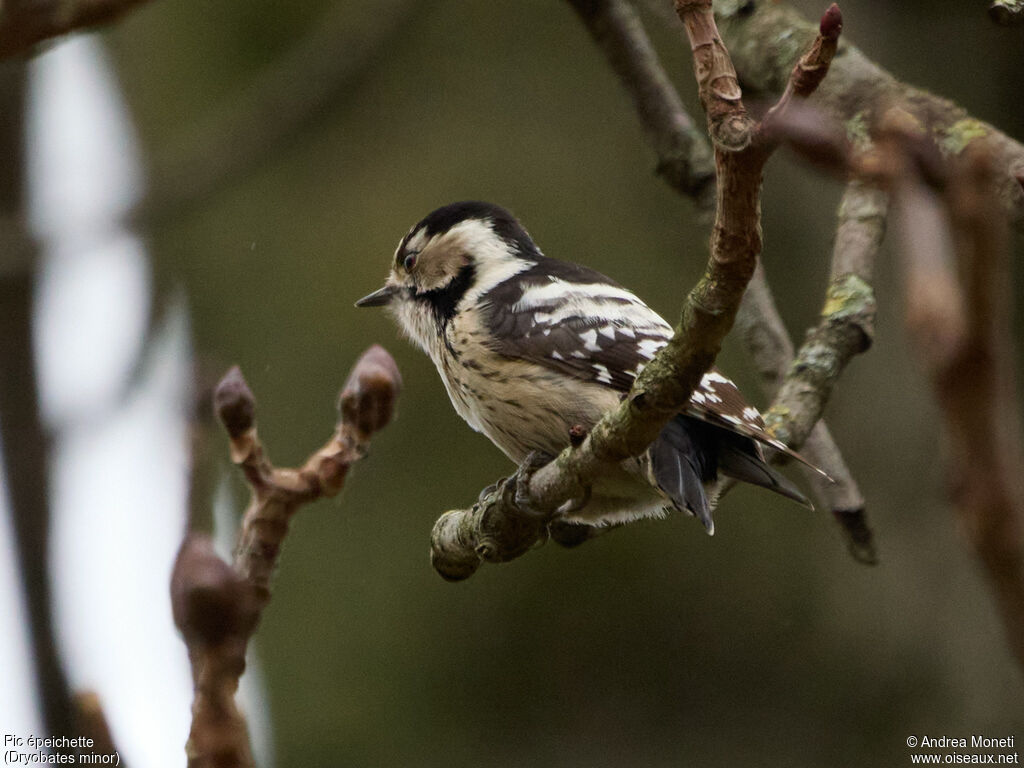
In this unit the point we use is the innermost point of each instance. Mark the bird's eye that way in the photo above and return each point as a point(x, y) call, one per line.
point(410, 262)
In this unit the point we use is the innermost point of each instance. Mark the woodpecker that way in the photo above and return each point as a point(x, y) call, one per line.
point(530, 347)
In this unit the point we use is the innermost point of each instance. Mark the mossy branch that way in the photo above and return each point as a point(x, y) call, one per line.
point(764, 37)
point(682, 151)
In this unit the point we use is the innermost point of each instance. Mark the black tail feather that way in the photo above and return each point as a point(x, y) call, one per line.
point(689, 453)
point(679, 467)
point(741, 463)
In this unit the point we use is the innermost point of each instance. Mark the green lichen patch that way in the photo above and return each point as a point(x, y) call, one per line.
point(956, 138)
point(848, 296)
point(857, 130)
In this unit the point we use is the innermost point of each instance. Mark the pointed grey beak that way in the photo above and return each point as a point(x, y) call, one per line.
point(378, 298)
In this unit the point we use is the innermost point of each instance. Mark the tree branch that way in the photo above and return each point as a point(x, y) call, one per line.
point(620, 36)
point(25, 23)
point(685, 161)
point(493, 530)
point(858, 91)
point(218, 606)
point(961, 323)
point(767, 342)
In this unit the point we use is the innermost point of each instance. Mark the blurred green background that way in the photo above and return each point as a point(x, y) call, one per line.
point(653, 646)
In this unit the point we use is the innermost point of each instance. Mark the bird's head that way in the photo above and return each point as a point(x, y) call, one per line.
point(449, 259)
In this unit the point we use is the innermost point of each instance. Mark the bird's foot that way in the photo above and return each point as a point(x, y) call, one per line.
point(520, 483)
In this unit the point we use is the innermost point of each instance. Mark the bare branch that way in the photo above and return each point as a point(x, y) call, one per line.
point(26, 451)
point(858, 90)
point(963, 333)
point(28, 22)
point(493, 530)
point(617, 31)
point(218, 606)
point(684, 158)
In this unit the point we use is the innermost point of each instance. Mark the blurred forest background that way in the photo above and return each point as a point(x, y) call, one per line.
point(656, 645)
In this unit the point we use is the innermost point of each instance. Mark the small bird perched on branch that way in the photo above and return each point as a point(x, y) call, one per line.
point(530, 348)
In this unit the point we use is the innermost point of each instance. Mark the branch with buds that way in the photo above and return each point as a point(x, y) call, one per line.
point(512, 516)
point(217, 606)
point(858, 91)
point(953, 241)
point(617, 30)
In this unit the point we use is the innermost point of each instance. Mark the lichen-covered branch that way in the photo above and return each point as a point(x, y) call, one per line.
point(766, 37)
point(217, 606)
point(685, 161)
point(768, 344)
point(959, 310)
point(616, 29)
point(666, 383)
point(801, 388)
point(846, 327)
point(25, 23)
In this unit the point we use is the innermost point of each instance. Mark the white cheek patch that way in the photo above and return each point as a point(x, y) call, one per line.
point(494, 260)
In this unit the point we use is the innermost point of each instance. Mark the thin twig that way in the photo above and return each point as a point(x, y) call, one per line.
point(510, 517)
point(958, 284)
point(616, 29)
point(685, 161)
point(858, 90)
point(846, 327)
point(218, 606)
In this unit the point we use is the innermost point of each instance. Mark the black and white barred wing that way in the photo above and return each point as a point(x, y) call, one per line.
point(574, 320)
point(718, 401)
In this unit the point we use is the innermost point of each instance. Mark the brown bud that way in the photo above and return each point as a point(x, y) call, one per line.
point(209, 600)
point(368, 399)
point(831, 22)
point(234, 402)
